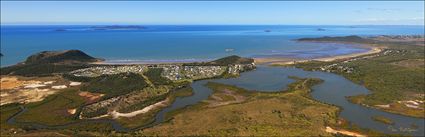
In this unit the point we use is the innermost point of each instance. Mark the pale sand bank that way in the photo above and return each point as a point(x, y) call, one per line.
point(116, 114)
point(288, 61)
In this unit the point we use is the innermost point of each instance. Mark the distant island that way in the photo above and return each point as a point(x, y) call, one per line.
point(352, 38)
point(118, 27)
point(321, 29)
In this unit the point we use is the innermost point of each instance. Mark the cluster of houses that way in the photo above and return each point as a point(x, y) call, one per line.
point(178, 72)
point(342, 67)
point(337, 67)
point(171, 71)
point(108, 70)
point(235, 69)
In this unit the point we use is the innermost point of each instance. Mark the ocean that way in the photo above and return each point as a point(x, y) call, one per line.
point(181, 43)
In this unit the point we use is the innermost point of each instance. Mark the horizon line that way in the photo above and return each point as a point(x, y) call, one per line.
point(160, 24)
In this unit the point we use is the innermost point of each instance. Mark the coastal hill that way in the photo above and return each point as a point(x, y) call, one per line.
point(352, 38)
point(67, 56)
point(234, 59)
point(49, 62)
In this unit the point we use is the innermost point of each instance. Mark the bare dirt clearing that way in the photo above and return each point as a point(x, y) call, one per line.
point(17, 89)
point(13, 82)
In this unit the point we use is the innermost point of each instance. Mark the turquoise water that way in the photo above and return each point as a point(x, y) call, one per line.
point(184, 43)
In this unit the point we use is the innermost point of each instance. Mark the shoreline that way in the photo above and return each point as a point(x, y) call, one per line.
point(258, 60)
point(147, 62)
point(291, 61)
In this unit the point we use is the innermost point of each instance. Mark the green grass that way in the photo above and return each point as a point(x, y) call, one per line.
point(53, 109)
point(6, 112)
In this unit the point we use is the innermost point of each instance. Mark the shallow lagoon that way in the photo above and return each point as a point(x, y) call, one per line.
point(333, 90)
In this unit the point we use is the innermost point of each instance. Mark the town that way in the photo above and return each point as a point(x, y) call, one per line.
point(172, 72)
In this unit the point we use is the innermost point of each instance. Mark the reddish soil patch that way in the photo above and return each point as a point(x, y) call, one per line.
point(90, 97)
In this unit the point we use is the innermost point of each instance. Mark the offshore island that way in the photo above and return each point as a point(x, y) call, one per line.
point(376, 93)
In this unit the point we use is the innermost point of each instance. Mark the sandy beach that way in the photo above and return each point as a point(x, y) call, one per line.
point(259, 60)
point(136, 62)
point(288, 61)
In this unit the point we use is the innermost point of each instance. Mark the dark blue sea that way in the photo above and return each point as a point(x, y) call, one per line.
point(167, 43)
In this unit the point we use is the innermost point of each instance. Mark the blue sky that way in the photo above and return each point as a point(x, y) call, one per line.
point(214, 12)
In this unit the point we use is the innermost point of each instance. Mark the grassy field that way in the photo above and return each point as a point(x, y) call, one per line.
point(396, 76)
point(53, 109)
point(289, 113)
point(6, 112)
point(50, 111)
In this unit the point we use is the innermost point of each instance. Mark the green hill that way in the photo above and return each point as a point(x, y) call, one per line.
point(48, 62)
point(234, 59)
point(67, 56)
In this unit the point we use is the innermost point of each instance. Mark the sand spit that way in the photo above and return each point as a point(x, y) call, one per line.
point(116, 114)
point(289, 61)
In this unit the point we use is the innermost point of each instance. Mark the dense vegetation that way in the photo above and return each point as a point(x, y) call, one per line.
point(224, 61)
point(114, 85)
point(232, 60)
point(40, 69)
point(393, 77)
point(60, 57)
point(50, 62)
point(154, 75)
